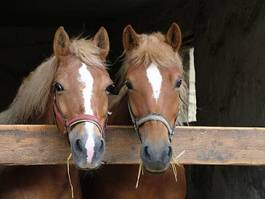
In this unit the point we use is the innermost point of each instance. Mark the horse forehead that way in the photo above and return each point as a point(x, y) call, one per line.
point(155, 79)
point(68, 69)
point(86, 78)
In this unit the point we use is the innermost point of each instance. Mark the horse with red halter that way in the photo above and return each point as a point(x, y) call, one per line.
point(69, 89)
point(153, 97)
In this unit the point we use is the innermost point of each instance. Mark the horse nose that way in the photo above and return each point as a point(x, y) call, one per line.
point(168, 152)
point(90, 148)
point(87, 145)
point(79, 146)
point(156, 158)
point(87, 151)
point(146, 153)
point(153, 155)
point(99, 147)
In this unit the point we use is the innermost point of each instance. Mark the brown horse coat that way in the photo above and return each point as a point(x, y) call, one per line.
point(59, 77)
point(164, 93)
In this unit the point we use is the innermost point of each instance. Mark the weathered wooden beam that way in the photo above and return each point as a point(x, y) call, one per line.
point(42, 144)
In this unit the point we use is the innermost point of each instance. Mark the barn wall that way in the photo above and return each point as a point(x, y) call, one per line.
point(230, 69)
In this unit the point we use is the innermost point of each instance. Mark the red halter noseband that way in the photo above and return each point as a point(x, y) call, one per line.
point(70, 122)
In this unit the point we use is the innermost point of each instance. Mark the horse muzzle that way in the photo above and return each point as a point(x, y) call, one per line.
point(156, 158)
point(87, 145)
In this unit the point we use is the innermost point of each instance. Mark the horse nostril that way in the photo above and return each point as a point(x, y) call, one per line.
point(101, 148)
point(78, 145)
point(146, 153)
point(169, 153)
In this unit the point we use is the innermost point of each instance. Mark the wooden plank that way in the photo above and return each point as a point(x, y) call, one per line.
point(42, 144)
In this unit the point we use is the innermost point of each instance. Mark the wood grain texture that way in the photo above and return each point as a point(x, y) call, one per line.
point(42, 144)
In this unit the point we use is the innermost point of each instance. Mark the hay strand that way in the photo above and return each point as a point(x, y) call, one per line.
point(174, 163)
point(140, 171)
point(69, 176)
point(174, 169)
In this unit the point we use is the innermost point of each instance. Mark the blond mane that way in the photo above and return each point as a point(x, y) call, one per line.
point(32, 97)
point(152, 48)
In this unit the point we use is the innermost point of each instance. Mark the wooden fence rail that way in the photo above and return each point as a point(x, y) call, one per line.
point(42, 144)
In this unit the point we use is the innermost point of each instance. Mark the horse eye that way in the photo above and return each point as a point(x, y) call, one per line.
point(178, 83)
point(129, 85)
point(58, 87)
point(110, 89)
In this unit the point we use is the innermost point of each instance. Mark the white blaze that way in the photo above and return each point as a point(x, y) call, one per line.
point(90, 143)
point(155, 79)
point(87, 80)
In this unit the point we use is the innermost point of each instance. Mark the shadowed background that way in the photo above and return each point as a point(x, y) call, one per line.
point(229, 42)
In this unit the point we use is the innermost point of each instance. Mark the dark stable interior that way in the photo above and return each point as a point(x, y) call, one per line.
point(229, 42)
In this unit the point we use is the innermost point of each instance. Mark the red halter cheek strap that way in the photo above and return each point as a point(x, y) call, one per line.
point(70, 122)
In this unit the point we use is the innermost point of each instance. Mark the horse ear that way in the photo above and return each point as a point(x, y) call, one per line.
point(173, 36)
point(101, 40)
point(130, 38)
point(61, 42)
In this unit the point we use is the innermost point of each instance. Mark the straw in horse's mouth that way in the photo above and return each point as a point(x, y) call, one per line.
point(174, 169)
point(174, 163)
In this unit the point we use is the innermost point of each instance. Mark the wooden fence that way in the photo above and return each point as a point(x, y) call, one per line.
point(42, 144)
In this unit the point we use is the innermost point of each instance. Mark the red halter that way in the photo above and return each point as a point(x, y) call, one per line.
point(70, 122)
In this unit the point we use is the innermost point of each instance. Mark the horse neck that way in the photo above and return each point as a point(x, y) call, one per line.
point(48, 115)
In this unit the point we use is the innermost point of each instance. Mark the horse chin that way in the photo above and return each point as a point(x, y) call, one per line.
point(156, 170)
point(86, 168)
point(83, 165)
